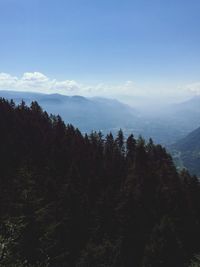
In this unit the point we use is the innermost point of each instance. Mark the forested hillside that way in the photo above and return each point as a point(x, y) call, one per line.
point(83, 112)
point(69, 200)
point(165, 125)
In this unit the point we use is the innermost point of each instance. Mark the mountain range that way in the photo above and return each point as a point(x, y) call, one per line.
point(87, 114)
point(166, 126)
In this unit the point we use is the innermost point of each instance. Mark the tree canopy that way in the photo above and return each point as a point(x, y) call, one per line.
point(69, 199)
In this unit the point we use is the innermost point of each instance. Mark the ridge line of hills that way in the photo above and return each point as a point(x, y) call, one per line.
point(172, 126)
point(166, 126)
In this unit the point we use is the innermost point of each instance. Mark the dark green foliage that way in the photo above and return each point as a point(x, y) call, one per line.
point(195, 262)
point(85, 201)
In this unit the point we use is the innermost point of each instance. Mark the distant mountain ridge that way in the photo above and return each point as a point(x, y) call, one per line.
point(187, 151)
point(167, 126)
point(85, 113)
point(185, 114)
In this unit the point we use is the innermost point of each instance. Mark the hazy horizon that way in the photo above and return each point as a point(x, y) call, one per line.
point(127, 92)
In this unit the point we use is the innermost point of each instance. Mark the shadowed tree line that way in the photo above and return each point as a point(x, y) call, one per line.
point(68, 199)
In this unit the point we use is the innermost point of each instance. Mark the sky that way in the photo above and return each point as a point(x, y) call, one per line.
point(101, 47)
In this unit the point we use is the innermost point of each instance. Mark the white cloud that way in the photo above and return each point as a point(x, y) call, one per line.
point(7, 81)
point(194, 88)
point(34, 76)
point(37, 82)
point(113, 90)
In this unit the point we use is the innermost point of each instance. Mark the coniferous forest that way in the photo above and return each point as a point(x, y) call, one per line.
point(74, 200)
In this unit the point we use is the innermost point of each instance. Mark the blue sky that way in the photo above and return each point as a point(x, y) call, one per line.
point(154, 44)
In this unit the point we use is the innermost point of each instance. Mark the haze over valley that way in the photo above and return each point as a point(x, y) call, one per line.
point(166, 124)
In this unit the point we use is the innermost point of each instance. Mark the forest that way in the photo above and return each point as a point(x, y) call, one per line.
point(70, 199)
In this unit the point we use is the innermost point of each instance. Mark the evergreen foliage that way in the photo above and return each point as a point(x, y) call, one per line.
point(69, 199)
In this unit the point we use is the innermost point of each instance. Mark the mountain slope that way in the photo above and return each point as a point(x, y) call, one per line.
point(97, 113)
point(188, 151)
point(73, 200)
point(166, 126)
point(85, 113)
point(185, 115)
